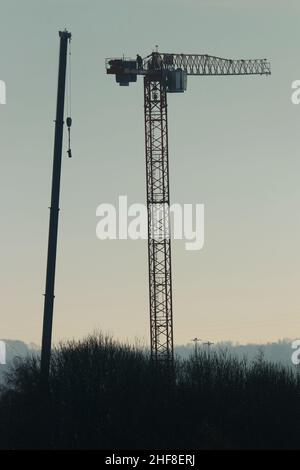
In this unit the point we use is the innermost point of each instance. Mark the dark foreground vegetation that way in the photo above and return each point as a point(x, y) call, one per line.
point(109, 396)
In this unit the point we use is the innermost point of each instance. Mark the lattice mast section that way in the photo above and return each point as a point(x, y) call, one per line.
point(158, 200)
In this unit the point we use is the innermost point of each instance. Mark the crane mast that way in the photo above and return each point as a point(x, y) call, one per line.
point(158, 201)
point(166, 73)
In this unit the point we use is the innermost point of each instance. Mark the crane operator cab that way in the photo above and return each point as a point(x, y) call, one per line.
point(176, 81)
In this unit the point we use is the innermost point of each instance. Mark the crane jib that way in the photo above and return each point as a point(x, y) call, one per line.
point(173, 69)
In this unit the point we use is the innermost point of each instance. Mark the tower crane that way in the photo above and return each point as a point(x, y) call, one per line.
point(165, 73)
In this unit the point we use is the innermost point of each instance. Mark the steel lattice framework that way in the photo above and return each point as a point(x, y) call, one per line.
point(158, 200)
point(203, 64)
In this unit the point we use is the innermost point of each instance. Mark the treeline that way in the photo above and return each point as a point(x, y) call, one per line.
point(280, 351)
point(105, 395)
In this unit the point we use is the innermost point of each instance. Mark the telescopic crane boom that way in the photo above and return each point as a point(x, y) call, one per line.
point(65, 38)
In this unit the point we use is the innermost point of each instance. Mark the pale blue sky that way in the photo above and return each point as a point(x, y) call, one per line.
point(234, 146)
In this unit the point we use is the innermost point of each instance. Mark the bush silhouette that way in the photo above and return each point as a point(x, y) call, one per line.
point(106, 395)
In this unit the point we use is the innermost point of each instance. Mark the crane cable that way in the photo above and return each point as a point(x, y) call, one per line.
point(69, 101)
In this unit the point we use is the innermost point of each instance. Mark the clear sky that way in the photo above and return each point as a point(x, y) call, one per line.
point(234, 146)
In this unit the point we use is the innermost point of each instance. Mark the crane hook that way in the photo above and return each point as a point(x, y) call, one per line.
point(69, 124)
